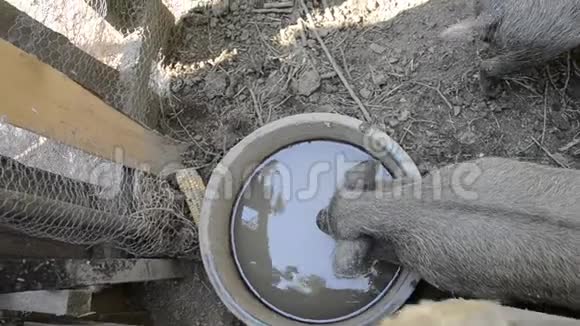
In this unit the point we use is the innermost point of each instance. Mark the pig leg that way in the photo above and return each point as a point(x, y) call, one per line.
point(492, 70)
point(351, 258)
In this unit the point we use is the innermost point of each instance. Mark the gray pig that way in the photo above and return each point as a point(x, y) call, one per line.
point(525, 32)
point(493, 228)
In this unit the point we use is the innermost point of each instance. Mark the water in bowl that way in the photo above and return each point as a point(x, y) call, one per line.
point(281, 254)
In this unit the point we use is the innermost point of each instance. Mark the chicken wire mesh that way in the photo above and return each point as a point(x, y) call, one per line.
point(52, 191)
point(111, 47)
point(114, 48)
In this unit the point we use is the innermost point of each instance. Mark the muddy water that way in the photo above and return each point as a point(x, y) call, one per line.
point(283, 257)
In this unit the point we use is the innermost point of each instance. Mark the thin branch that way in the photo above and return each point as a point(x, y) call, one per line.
point(563, 165)
point(545, 114)
point(257, 107)
point(438, 90)
point(335, 66)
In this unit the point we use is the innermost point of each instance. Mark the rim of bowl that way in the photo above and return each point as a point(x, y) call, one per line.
point(228, 179)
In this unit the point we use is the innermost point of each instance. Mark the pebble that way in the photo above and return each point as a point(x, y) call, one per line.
point(314, 98)
point(560, 121)
point(307, 83)
point(323, 32)
point(330, 88)
point(245, 35)
point(213, 22)
point(377, 48)
point(326, 108)
point(177, 85)
point(379, 79)
point(574, 88)
point(393, 122)
point(393, 60)
point(232, 87)
point(467, 137)
point(365, 93)
point(215, 84)
point(404, 115)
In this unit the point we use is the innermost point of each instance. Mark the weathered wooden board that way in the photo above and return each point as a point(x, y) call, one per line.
point(40, 99)
point(17, 275)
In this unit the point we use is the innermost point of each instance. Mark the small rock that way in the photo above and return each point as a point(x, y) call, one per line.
point(377, 48)
point(560, 121)
point(213, 22)
point(467, 137)
point(215, 84)
point(330, 88)
point(234, 6)
point(219, 8)
point(242, 97)
point(326, 108)
point(404, 115)
point(431, 49)
point(177, 85)
point(379, 79)
point(231, 27)
point(245, 35)
point(574, 88)
point(307, 83)
point(393, 60)
point(456, 110)
point(393, 122)
point(481, 106)
point(314, 98)
point(197, 137)
point(365, 93)
point(232, 87)
point(311, 43)
point(323, 32)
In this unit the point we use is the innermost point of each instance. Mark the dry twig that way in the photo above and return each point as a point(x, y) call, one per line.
point(545, 114)
point(273, 11)
point(344, 64)
point(283, 4)
point(438, 90)
point(563, 165)
point(257, 107)
point(571, 144)
point(335, 66)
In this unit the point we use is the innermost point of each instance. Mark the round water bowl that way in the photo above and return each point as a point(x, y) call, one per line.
point(260, 246)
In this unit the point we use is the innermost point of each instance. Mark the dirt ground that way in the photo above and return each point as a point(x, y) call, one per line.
point(236, 72)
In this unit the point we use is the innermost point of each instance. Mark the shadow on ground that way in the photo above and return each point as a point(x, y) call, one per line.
point(236, 72)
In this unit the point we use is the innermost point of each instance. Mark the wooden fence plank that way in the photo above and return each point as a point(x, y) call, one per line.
point(38, 98)
point(55, 49)
point(18, 275)
point(72, 303)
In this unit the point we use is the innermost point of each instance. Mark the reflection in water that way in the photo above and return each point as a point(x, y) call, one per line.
point(281, 253)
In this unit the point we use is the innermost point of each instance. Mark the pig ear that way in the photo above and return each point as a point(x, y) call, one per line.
point(362, 176)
